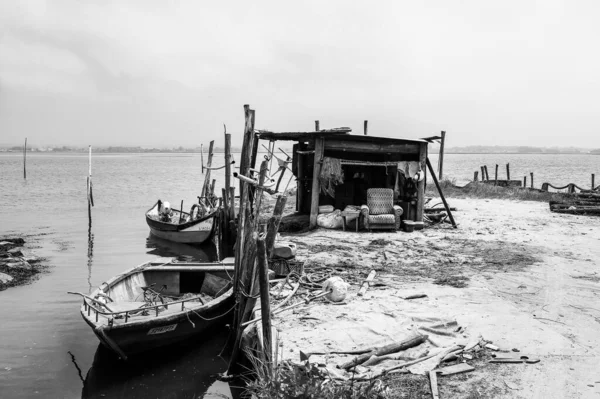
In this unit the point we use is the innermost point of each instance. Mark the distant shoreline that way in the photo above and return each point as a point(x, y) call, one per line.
point(238, 151)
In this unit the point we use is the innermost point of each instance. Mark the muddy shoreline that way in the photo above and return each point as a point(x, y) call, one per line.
point(18, 266)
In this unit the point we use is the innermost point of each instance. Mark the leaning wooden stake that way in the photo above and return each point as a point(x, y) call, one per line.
point(437, 185)
point(482, 174)
point(206, 186)
point(265, 300)
point(508, 172)
point(273, 224)
point(25, 160)
point(475, 176)
point(487, 175)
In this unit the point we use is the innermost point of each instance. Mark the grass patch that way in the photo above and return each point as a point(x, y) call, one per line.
point(483, 190)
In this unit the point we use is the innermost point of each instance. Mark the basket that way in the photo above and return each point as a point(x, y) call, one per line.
point(283, 267)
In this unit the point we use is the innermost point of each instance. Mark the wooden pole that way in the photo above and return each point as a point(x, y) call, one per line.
point(25, 160)
point(314, 203)
point(441, 158)
point(366, 127)
point(482, 174)
point(206, 186)
point(508, 172)
point(265, 299)
point(180, 212)
point(437, 185)
point(496, 176)
point(90, 196)
point(227, 175)
point(593, 182)
point(421, 184)
point(487, 175)
point(531, 179)
point(273, 225)
point(475, 176)
point(202, 157)
point(317, 126)
point(232, 203)
point(524, 181)
point(247, 145)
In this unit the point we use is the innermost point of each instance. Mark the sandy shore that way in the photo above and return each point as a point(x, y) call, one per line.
point(513, 273)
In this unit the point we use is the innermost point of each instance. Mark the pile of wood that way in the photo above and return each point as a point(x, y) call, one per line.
point(578, 204)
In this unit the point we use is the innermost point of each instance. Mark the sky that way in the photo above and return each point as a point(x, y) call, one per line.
point(171, 73)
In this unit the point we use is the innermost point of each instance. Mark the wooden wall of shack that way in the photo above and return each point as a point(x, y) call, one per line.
point(311, 148)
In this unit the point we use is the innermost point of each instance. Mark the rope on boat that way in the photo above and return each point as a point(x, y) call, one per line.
point(205, 318)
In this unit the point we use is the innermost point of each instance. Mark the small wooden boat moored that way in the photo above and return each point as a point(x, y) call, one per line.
point(194, 227)
point(157, 304)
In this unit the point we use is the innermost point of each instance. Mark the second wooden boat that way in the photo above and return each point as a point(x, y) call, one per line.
point(195, 227)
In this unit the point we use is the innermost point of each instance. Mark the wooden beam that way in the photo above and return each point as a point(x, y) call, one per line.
point(314, 203)
point(206, 186)
point(336, 144)
point(226, 202)
point(437, 185)
point(246, 155)
point(366, 127)
point(421, 184)
point(317, 126)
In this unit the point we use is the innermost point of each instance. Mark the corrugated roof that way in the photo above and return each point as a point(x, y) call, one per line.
point(333, 134)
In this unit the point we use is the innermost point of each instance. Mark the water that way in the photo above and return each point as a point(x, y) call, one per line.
point(557, 169)
point(41, 326)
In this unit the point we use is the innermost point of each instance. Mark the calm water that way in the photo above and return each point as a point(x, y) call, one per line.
point(44, 343)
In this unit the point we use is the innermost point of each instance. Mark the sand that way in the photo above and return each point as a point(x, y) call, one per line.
point(513, 273)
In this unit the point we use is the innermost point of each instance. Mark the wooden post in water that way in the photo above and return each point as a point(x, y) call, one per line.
point(508, 172)
point(206, 186)
point(366, 127)
point(531, 179)
point(475, 176)
point(487, 174)
point(441, 158)
point(496, 176)
point(90, 196)
point(265, 299)
point(25, 160)
point(317, 126)
point(593, 182)
point(524, 181)
point(482, 174)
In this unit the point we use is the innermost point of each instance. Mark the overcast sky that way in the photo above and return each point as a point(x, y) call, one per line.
point(167, 73)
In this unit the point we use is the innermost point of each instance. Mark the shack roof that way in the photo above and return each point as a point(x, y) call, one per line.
point(339, 134)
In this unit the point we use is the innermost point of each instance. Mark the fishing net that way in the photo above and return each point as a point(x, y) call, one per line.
point(331, 175)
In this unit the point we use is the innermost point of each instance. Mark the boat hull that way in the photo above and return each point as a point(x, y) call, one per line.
point(126, 340)
point(186, 236)
point(192, 232)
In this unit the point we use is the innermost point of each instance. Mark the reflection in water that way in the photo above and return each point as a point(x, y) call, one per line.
point(183, 252)
point(184, 370)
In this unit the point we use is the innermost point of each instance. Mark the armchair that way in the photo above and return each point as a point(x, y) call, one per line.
point(380, 211)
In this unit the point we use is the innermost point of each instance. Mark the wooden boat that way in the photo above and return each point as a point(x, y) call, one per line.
point(183, 227)
point(156, 304)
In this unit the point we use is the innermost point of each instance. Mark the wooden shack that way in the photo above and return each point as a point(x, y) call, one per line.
point(365, 162)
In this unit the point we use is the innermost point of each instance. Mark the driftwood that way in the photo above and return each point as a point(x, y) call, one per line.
point(367, 283)
point(386, 349)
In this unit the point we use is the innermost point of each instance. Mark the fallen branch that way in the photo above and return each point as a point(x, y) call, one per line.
point(386, 349)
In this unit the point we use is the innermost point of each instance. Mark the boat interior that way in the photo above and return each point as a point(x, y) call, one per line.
point(152, 293)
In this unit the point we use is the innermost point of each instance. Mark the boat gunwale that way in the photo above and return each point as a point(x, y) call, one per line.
point(104, 287)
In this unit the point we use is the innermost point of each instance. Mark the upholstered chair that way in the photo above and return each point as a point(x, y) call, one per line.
point(380, 211)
